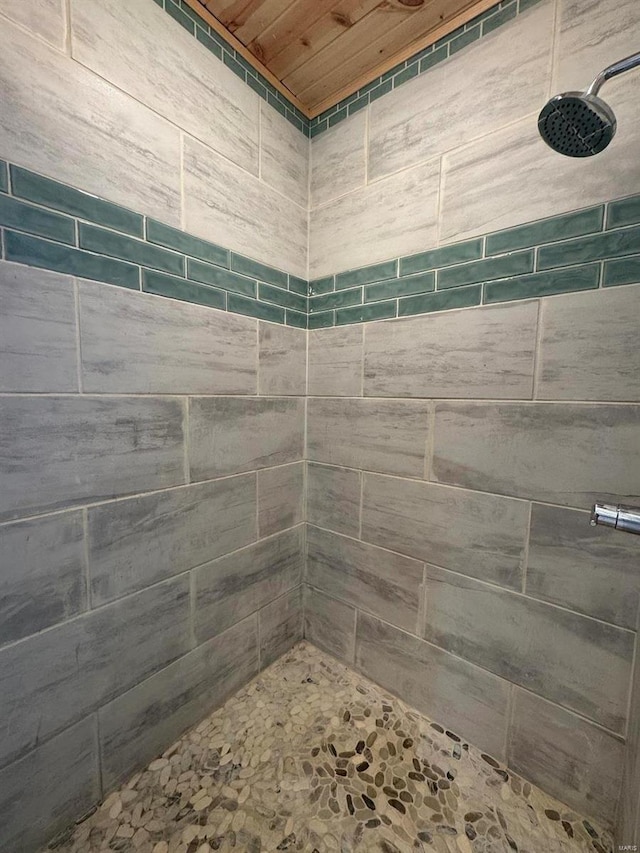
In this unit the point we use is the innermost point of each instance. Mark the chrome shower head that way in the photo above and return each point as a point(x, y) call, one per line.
point(580, 124)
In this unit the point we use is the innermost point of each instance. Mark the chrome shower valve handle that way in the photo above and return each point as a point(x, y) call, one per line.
point(618, 516)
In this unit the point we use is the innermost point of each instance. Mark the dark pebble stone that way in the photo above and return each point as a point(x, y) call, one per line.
point(567, 828)
point(385, 717)
point(348, 754)
point(346, 716)
point(386, 820)
point(391, 747)
point(366, 777)
point(364, 765)
point(432, 786)
point(390, 792)
point(334, 806)
point(437, 770)
point(589, 829)
point(512, 844)
point(398, 806)
point(372, 738)
point(342, 763)
point(359, 746)
point(447, 830)
point(371, 791)
point(503, 775)
point(341, 772)
point(418, 777)
point(398, 782)
point(367, 712)
point(407, 743)
point(368, 802)
point(437, 728)
point(315, 751)
point(489, 760)
point(416, 764)
point(472, 817)
point(451, 775)
point(379, 723)
point(452, 736)
point(423, 835)
point(379, 780)
point(368, 754)
point(552, 814)
point(444, 784)
point(598, 847)
point(315, 795)
point(372, 823)
point(350, 804)
point(333, 750)
point(386, 707)
point(406, 797)
point(469, 831)
point(396, 728)
point(501, 818)
point(457, 752)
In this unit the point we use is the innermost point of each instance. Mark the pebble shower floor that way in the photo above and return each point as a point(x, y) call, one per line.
point(312, 757)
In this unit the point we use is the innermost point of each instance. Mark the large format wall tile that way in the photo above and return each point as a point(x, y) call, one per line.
point(329, 624)
point(56, 115)
point(228, 435)
point(486, 352)
point(44, 18)
point(333, 498)
point(335, 362)
point(137, 542)
point(52, 679)
point(385, 584)
point(560, 453)
point(575, 661)
point(338, 160)
point(628, 818)
point(280, 626)
point(136, 343)
point(476, 534)
point(57, 451)
point(144, 721)
point(379, 435)
point(139, 49)
point(396, 216)
point(42, 579)
point(282, 367)
point(464, 698)
point(37, 330)
point(284, 156)
point(440, 110)
point(231, 588)
point(280, 498)
point(589, 346)
point(226, 204)
point(566, 755)
point(50, 788)
point(591, 570)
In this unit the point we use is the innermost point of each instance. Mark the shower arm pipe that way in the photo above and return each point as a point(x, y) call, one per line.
point(620, 67)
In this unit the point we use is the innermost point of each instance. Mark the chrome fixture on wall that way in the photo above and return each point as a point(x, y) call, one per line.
point(621, 517)
point(579, 124)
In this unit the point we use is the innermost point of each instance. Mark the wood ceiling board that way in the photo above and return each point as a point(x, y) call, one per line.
point(374, 38)
point(269, 11)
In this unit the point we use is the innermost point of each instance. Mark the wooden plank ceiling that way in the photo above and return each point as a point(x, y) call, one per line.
point(323, 50)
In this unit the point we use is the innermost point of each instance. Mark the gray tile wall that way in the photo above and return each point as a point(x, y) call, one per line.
point(469, 454)
point(151, 542)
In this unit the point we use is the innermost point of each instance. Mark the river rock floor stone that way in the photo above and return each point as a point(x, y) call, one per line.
point(312, 757)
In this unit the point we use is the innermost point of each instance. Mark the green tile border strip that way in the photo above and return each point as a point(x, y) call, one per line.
point(47, 224)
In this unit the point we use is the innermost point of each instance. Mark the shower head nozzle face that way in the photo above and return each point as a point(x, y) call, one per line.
point(576, 124)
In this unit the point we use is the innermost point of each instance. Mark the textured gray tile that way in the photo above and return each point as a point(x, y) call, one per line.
point(49, 789)
point(37, 330)
point(242, 213)
point(477, 534)
point(333, 498)
point(385, 584)
point(57, 451)
point(53, 679)
point(284, 156)
point(283, 360)
point(466, 699)
point(335, 362)
point(138, 343)
point(280, 498)
point(628, 822)
point(143, 722)
point(138, 542)
point(232, 587)
point(280, 626)
point(338, 160)
point(43, 18)
point(227, 435)
point(592, 570)
point(566, 756)
point(576, 360)
point(42, 574)
point(380, 435)
point(77, 114)
point(402, 129)
point(560, 453)
point(580, 663)
point(329, 624)
point(141, 51)
point(494, 354)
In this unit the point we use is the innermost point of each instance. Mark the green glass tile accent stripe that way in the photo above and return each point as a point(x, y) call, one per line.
point(321, 285)
point(366, 313)
point(339, 299)
point(186, 291)
point(35, 252)
point(254, 308)
point(180, 16)
point(268, 293)
point(490, 268)
point(556, 228)
point(500, 18)
point(4, 177)
point(366, 275)
point(463, 297)
point(622, 271)
point(116, 245)
point(463, 40)
point(407, 74)
point(173, 238)
point(321, 321)
point(420, 283)
point(219, 277)
point(610, 244)
point(457, 253)
point(543, 284)
point(298, 285)
point(295, 318)
point(433, 58)
point(32, 187)
point(254, 269)
point(35, 220)
point(210, 44)
point(623, 212)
